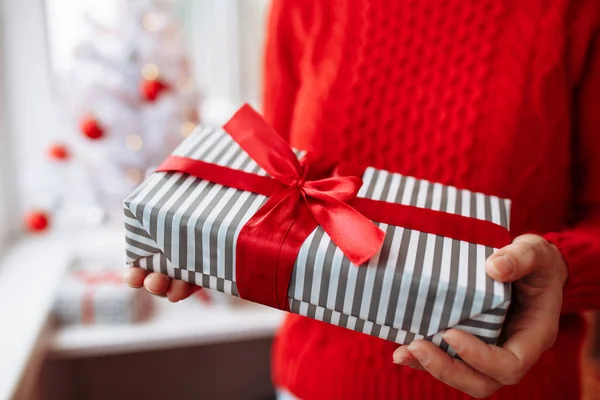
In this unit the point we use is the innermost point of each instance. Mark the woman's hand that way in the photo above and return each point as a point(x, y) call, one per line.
point(160, 284)
point(539, 273)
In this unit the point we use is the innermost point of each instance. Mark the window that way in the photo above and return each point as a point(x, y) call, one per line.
point(223, 38)
point(5, 180)
point(30, 112)
point(9, 194)
point(226, 43)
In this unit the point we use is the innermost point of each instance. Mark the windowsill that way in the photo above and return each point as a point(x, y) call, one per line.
point(31, 273)
point(187, 323)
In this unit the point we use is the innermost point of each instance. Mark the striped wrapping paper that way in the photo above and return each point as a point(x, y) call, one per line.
point(81, 303)
point(417, 286)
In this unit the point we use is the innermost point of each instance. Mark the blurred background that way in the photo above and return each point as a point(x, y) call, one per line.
point(119, 80)
point(94, 95)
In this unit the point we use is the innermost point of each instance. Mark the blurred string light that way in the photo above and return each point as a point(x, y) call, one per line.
point(134, 175)
point(187, 128)
point(150, 72)
point(134, 142)
point(185, 86)
point(151, 22)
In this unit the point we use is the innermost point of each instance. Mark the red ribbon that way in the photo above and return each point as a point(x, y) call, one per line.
point(93, 279)
point(306, 193)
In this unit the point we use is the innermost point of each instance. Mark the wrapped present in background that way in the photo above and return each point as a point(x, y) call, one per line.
point(234, 210)
point(89, 297)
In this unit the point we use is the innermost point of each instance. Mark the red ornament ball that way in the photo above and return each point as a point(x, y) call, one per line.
point(91, 128)
point(37, 221)
point(151, 89)
point(58, 152)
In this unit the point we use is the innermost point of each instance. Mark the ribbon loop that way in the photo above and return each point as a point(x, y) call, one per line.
point(342, 188)
point(325, 196)
point(266, 147)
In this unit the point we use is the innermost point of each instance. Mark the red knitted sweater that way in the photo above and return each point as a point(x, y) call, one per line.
point(497, 96)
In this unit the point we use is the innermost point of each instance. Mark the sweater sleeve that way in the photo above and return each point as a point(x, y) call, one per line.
point(281, 61)
point(580, 243)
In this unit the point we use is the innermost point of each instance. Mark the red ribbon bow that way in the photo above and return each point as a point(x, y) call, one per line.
point(310, 181)
point(96, 278)
point(304, 194)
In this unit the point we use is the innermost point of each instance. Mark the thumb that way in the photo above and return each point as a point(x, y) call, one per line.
point(518, 259)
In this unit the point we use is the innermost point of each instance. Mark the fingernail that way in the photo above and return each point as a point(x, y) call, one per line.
point(420, 354)
point(133, 286)
point(406, 360)
point(156, 293)
point(503, 265)
point(399, 356)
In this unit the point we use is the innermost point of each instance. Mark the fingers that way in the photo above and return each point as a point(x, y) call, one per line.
point(531, 332)
point(134, 277)
point(496, 362)
point(179, 290)
point(404, 357)
point(160, 284)
point(534, 330)
point(513, 261)
point(520, 258)
point(157, 283)
point(203, 295)
point(451, 371)
point(539, 272)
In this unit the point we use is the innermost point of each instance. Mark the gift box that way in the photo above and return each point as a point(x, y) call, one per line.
point(392, 256)
point(89, 297)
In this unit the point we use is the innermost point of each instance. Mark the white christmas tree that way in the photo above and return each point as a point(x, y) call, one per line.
point(132, 100)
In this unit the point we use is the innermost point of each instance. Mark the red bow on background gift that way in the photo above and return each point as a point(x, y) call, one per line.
point(93, 279)
point(96, 278)
point(304, 194)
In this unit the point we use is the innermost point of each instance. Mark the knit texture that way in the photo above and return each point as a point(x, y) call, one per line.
point(496, 96)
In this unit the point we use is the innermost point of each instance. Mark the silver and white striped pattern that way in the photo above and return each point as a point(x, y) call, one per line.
point(110, 304)
point(417, 286)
